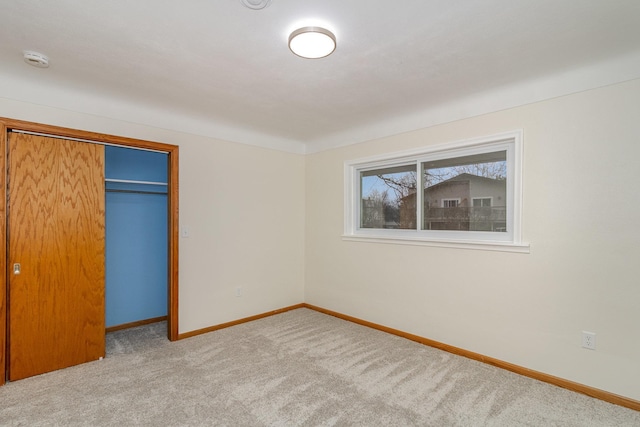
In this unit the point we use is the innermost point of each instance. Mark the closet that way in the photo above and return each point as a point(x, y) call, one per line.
point(56, 187)
point(136, 236)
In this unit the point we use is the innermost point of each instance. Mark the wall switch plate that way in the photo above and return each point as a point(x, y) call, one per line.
point(589, 340)
point(184, 231)
point(239, 291)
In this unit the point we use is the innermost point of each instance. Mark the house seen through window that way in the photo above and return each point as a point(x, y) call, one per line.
point(463, 192)
point(457, 194)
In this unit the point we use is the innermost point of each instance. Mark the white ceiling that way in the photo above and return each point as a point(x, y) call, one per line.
point(219, 69)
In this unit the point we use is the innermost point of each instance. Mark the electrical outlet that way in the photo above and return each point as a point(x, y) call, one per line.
point(589, 340)
point(239, 291)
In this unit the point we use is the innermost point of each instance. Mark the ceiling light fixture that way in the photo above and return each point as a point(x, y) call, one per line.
point(36, 59)
point(312, 42)
point(255, 4)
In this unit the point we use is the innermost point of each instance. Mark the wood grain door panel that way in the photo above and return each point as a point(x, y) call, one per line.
point(56, 227)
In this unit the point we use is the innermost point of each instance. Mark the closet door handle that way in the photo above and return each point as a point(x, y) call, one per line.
point(16, 268)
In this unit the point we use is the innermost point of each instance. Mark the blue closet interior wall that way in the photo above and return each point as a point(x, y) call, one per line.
point(136, 236)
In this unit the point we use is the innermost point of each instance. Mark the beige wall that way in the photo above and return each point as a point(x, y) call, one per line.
point(244, 207)
point(581, 211)
point(271, 222)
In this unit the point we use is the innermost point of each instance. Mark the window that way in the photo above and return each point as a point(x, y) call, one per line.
point(381, 197)
point(463, 194)
point(481, 202)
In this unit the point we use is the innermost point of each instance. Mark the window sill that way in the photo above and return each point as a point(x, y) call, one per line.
point(456, 244)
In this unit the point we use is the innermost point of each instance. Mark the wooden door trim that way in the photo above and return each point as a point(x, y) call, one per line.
point(7, 124)
point(3, 253)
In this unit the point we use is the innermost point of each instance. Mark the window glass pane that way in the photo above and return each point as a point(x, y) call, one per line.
point(466, 193)
point(387, 197)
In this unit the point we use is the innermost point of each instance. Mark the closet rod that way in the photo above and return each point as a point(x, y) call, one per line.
point(129, 181)
point(135, 192)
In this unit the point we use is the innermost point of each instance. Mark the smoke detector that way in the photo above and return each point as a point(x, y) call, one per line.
point(256, 4)
point(36, 59)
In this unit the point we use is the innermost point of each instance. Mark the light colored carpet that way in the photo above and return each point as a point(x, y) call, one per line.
point(299, 368)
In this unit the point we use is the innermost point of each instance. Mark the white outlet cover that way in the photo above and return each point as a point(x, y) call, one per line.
point(589, 340)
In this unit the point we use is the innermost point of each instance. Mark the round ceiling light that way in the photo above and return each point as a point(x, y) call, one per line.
point(312, 42)
point(36, 59)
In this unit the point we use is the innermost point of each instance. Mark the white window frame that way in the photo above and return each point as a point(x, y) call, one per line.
point(510, 241)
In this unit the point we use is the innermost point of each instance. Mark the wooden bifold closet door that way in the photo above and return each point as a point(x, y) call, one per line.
point(56, 254)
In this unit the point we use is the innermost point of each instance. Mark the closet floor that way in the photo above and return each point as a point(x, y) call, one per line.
point(138, 339)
